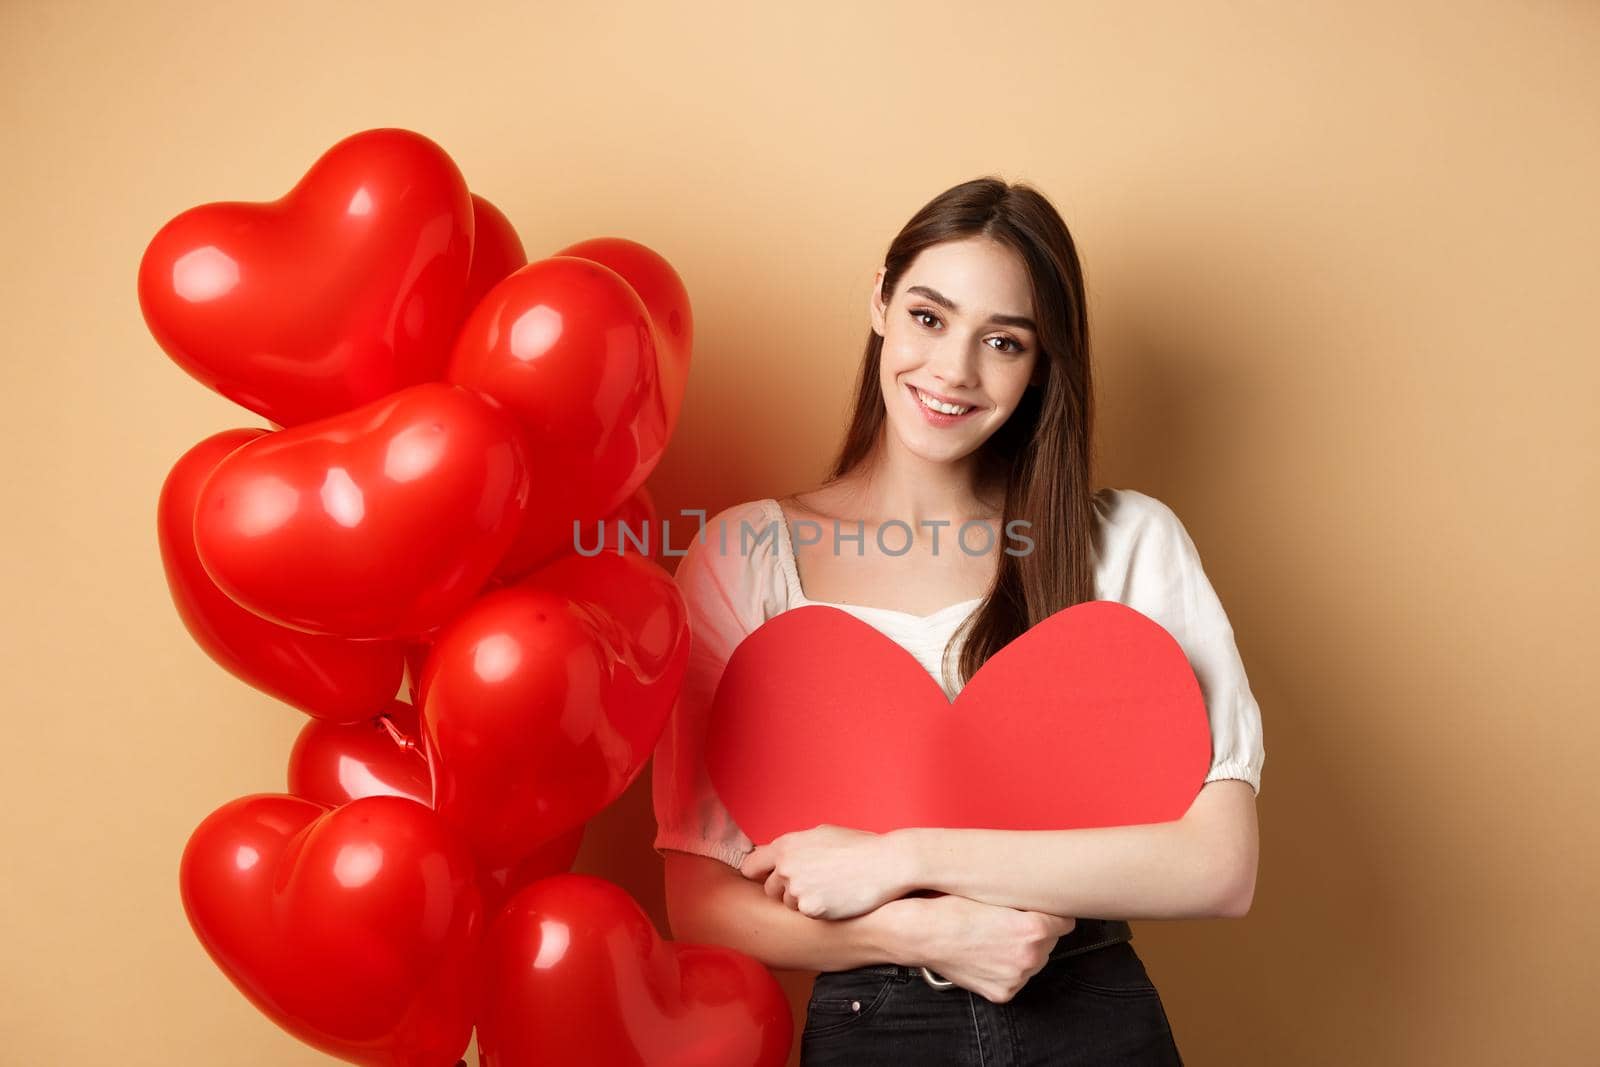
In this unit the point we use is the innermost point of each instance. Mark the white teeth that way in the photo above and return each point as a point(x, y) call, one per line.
point(940, 406)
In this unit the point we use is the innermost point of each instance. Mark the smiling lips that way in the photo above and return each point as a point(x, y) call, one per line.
point(938, 411)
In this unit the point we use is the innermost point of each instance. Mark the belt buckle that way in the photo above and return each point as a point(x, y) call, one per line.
point(935, 981)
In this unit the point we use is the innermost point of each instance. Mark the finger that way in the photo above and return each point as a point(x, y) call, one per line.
point(758, 864)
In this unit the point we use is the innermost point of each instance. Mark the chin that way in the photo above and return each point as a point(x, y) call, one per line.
point(932, 455)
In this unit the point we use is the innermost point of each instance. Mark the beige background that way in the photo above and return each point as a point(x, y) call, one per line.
point(1342, 263)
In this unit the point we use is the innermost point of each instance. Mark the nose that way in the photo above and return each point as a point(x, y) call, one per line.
point(954, 364)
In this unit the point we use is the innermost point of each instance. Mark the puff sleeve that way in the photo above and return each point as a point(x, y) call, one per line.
point(728, 593)
point(1237, 749)
point(1167, 582)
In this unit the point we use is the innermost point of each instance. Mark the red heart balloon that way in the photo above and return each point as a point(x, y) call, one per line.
point(333, 764)
point(664, 296)
point(332, 678)
point(381, 522)
point(416, 656)
point(577, 975)
point(500, 884)
point(1092, 717)
point(567, 346)
point(358, 930)
point(632, 527)
point(542, 702)
point(496, 252)
point(346, 289)
point(639, 612)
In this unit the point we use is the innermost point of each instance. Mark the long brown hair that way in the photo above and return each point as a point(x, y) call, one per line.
point(1043, 449)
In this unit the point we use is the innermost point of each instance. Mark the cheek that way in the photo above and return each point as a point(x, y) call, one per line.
point(895, 360)
point(1009, 385)
point(906, 355)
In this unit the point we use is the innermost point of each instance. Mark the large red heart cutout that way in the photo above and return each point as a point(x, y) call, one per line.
point(346, 289)
point(1092, 717)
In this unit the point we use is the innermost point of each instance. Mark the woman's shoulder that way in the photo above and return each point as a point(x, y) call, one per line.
point(732, 565)
point(1135, 528)
point(747, 530)
point(737, 545)
point(1130, 511)
point(1143, 551)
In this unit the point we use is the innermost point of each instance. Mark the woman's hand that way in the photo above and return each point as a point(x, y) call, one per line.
point(987, 948)
point(832, 872)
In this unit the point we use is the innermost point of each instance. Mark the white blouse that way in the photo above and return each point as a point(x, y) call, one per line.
point(1146, 560)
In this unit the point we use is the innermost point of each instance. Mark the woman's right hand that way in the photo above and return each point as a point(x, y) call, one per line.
point(989, 949)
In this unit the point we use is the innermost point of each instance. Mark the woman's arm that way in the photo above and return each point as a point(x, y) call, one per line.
point(711, 903)
point(987, 948)
point(1200, 866)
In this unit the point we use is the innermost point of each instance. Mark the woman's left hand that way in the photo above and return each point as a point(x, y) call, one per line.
point(832, 872)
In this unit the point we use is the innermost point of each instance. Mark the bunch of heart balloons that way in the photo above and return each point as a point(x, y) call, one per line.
point(401, 555)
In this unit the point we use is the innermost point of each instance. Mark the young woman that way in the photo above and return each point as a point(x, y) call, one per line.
point(973, 409)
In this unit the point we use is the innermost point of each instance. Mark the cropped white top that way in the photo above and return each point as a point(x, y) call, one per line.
point(1145, 560)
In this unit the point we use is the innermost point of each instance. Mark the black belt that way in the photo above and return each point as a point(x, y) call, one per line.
point(1087, 935)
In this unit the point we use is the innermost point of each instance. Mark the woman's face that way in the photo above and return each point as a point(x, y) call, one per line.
point(959, 326)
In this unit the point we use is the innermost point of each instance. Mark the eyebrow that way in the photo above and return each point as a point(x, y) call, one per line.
point(1004, 320)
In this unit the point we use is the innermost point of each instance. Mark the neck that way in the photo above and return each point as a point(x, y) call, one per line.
point(898, 484)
